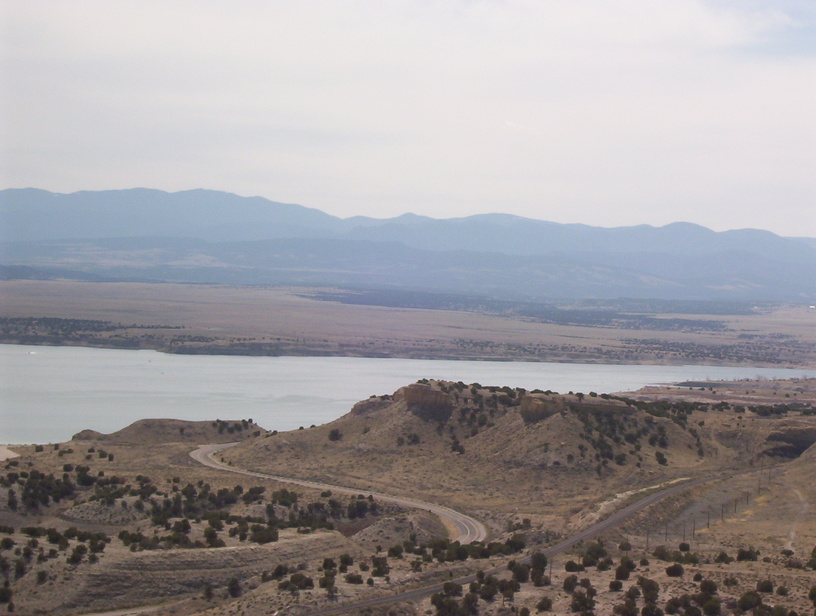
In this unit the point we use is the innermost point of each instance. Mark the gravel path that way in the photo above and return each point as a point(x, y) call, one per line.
point(463, 528)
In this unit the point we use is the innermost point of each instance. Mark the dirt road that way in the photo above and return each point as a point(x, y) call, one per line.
point(7, 454)
point(592, 531)
point(461, 527)
point(468, 529)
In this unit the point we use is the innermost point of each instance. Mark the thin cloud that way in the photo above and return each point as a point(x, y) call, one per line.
point(623, 112)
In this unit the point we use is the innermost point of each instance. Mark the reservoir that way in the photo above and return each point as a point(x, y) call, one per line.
point(47, 394)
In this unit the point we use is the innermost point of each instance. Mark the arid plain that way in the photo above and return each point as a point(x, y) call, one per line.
point(131, 521)
point(291, 321)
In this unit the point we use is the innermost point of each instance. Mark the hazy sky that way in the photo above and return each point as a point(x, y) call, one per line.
point(606, 112)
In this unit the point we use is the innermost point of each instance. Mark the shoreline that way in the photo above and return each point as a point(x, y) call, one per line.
point(109, 389)
point(594, 361)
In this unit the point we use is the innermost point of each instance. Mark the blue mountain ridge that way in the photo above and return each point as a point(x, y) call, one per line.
point(253, 240)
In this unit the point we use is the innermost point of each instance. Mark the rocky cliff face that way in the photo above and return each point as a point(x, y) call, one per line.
point(425, 395)
point(426, 402)
point(534, 409)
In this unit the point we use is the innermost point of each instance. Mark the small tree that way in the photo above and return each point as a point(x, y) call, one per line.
point(765, 586)
point(538, 561)
point(749, 601)
point(711, 607)
point(708, 586)
point(545, 605)
point(234, 587)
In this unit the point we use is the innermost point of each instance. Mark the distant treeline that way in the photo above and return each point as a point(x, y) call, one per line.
point(623, 314)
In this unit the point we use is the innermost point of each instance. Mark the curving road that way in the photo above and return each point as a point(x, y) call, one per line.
point(599, 527)
point(468, 528)
point(464, 528)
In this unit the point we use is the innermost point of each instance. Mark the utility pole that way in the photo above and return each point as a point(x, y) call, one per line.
point(708, 522)
point(722, 512)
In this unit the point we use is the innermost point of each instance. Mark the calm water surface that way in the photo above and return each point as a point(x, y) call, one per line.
point(47, 394)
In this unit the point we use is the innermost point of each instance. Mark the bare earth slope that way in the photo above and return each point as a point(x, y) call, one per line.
point(542, 456)
point(109, 521)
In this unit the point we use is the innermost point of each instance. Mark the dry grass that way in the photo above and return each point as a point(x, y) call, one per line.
point(505, 476)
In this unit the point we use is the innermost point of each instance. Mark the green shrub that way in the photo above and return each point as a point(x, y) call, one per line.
point(545, 605)
point(711, 607)
point(709, 587)
point(749, 601)
point(234, 587)
point(765, 586)
point(749, 554)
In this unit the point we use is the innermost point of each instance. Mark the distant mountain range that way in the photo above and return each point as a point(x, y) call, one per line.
point(207, 236)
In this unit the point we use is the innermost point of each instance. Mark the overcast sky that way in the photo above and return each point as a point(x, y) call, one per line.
point(605, 112)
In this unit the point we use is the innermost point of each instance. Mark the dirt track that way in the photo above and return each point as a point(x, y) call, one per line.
point(462, 528)
point(6, 453)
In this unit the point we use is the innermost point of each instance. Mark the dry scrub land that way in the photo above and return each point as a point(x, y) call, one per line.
point(105, 522)
point(284, 321)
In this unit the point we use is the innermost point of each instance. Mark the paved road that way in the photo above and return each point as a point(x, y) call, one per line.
point(464, 528)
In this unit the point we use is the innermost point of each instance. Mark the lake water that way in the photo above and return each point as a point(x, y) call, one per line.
point(50, 393)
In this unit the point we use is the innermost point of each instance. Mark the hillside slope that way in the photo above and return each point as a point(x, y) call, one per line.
point(176, 431)
point(478, 447)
